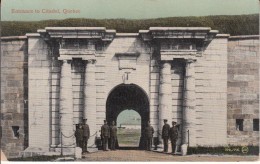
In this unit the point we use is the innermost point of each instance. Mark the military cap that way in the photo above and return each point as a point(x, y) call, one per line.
point(165, 120)
point(174, 122)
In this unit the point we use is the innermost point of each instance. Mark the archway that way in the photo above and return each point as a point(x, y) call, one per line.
point(128, 96)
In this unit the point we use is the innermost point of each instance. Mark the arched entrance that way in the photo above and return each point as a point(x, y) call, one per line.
point(128, 96)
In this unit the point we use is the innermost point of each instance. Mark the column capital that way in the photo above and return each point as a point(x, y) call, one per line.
point(164, 63)
point(190, 60)
point(91, 61)
point(66, 61)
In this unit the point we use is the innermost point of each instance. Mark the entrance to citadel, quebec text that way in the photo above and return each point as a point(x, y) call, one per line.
point(124, 97)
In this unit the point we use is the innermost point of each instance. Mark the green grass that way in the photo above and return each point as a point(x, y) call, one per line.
point(128, 137)
point(234, 25)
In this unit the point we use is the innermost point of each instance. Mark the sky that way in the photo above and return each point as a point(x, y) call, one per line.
point(128, 9)
point(126, 116)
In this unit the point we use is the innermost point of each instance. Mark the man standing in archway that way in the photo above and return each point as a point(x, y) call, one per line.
point(113, 135)
point(105, 134)
point(149, 136)
point(165, 135)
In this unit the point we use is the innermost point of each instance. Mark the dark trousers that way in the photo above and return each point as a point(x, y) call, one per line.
point(173, 145)
point(104, 143)
point(113, 143)
point(77, 142)
point(85, 144)
point(165, 144)
point(148, 143)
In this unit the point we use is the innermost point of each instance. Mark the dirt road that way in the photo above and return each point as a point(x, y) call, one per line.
point(138, 155)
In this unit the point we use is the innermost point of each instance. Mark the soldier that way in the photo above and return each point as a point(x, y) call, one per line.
point(86, 134)
point(105, 134)
point(149, 136)
point(173, 136)
point(79, 136)
point(165, 135)
point(113, 135)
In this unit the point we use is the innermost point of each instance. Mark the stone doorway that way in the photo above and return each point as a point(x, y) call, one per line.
point(128, 96)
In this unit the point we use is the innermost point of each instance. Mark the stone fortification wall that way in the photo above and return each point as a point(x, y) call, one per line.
point(14, 89)
point(243, 90)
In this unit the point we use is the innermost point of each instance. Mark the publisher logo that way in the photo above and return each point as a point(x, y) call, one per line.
point(244, 149)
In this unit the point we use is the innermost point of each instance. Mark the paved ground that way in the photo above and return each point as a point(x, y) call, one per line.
point(2, 157)
point(138, 155)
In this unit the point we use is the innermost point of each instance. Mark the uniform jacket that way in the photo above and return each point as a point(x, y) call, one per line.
point(113, 131)
point(165, 131)
point(86, 132)
point(149, 131)
point(174, 133)
point(79, 134)
point(105, 131)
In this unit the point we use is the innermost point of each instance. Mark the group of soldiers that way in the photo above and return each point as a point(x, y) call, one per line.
point(82, 135)
point(109, 132)
point(168, 133)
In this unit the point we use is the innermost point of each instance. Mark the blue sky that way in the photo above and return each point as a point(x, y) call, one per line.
point(129, 9)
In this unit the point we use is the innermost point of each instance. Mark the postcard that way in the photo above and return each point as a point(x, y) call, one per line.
point(130, 81)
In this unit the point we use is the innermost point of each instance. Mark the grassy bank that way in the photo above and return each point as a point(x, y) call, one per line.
point(128, 137)
point(234, 25)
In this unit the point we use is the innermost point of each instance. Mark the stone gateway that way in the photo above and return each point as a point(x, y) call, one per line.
point(53, 79)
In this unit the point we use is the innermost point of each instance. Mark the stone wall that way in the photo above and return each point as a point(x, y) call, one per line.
point(243, 89)
point(39, 77)
point(14, 89)
point(211, 91)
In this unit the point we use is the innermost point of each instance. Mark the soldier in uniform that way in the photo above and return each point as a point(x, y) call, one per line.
point(79, 136)
point(173, 136)
point(165, 135)
point(113, 135)
point(149, 136)
point(105, 134)
point(86, 134)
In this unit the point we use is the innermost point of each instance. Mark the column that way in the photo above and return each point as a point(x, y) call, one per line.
point(165, 95)
point(189, 113)
point(90, 100)
point(66, 107)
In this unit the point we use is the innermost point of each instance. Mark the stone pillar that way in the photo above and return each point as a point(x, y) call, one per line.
point(89, 112)
point(165, 95)
point(189, 113)
point(66, 108)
